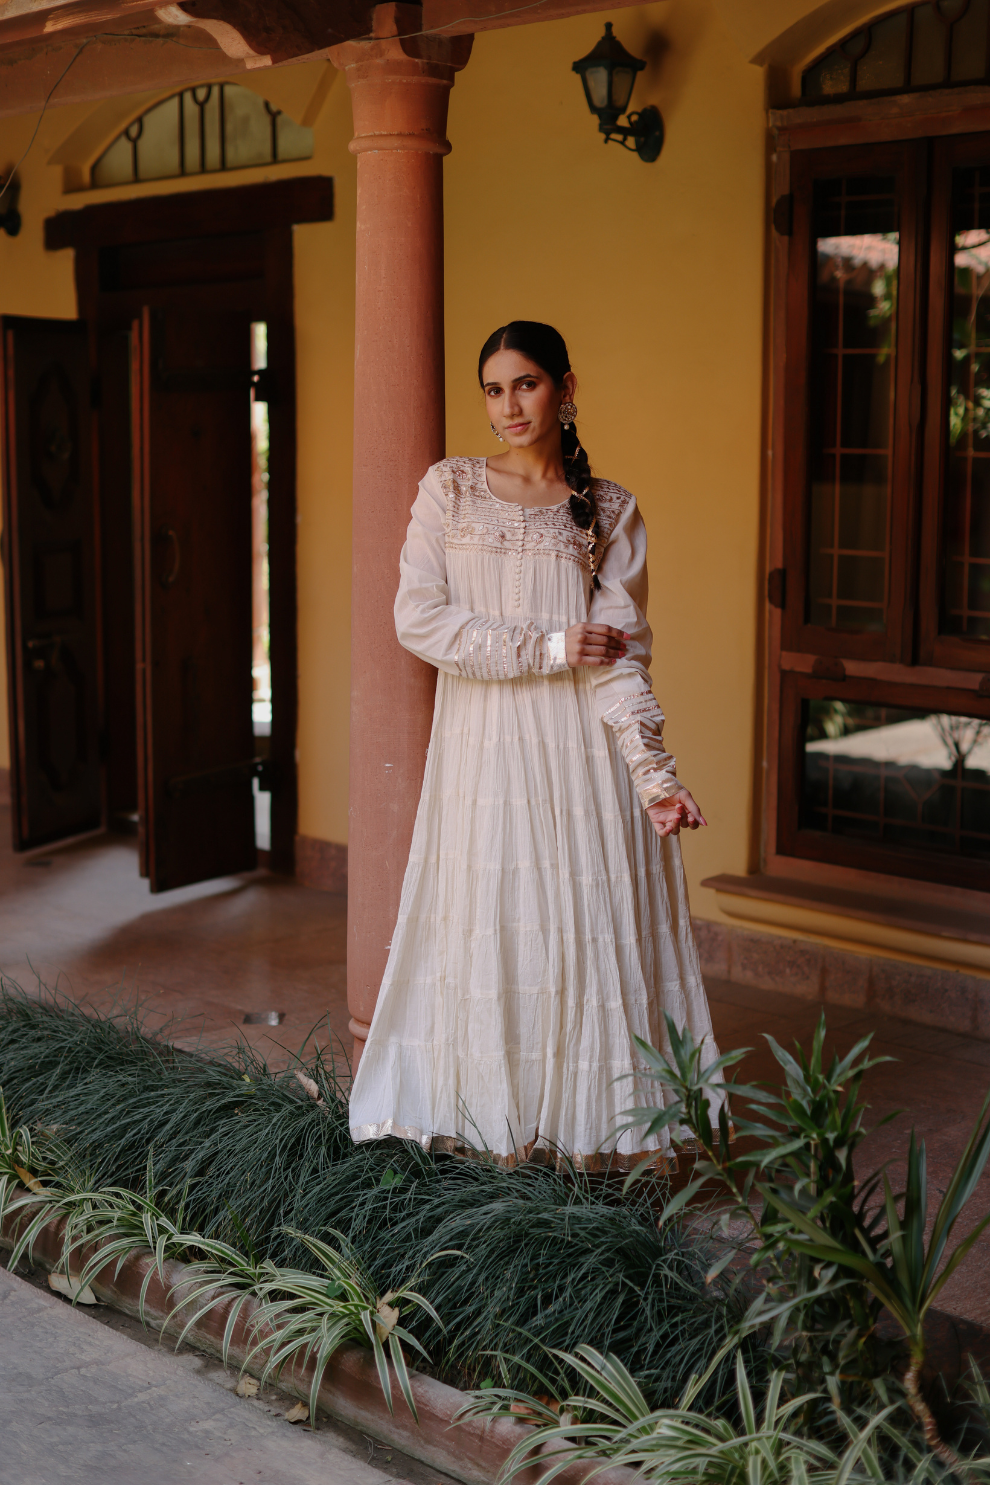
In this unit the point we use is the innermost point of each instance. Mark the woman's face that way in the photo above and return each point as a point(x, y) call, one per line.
point(521, 399)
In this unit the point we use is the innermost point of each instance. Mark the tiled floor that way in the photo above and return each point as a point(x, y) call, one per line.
point(202, 957)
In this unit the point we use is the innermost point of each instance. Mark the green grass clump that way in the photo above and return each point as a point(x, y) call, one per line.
point(543, 1258)
point(244, 1138)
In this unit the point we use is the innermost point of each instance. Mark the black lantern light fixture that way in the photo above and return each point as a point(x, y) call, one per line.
point(608, 74)
point(10, 217)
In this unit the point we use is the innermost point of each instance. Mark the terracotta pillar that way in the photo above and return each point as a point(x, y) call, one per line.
point(400, 85)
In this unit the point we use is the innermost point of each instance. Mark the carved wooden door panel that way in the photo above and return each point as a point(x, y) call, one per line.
point(52, 611)
point(192, 521)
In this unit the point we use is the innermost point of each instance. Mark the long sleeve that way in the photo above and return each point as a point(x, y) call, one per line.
point(625, 690)
point(452, 638)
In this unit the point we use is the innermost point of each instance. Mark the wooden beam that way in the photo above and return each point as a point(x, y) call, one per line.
point(303, 198)
point(463, 17)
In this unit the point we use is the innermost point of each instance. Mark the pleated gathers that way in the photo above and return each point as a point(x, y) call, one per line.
point(542, 926)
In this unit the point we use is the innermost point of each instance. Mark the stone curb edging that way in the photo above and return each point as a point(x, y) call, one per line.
point(473, 1452)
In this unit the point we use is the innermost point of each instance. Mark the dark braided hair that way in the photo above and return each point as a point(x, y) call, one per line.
point(545, 347)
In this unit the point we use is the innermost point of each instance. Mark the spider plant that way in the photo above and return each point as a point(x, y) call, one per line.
point(305, 1315)
point(302, 1314)
point(613, 1423)
point(15, 1156)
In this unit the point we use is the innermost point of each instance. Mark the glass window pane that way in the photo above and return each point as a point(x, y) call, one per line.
point(896, 777)
point(248, 126)
point(883, 65)
point(852, 400)
point(966, 512)
point(929, 43)
point(969, 43)
point(833, 74)
point(158, 146)
point(295, 141)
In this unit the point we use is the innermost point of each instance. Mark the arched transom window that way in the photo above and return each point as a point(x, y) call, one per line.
point(219, 126)
point(935, 45)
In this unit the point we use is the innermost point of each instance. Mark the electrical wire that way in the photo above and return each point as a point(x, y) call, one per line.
point(51, 91)
point(143, 36)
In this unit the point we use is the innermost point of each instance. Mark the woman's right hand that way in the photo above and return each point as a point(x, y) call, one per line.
point(593, 644)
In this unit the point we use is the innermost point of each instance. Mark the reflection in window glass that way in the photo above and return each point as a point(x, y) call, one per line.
point(217, 126)
point(853, 360)
point(895, 777)
point(966, 528)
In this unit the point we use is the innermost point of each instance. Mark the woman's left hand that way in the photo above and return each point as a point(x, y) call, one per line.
point(677, 812)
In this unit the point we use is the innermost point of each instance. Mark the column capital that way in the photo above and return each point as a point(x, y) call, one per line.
point(399, 81)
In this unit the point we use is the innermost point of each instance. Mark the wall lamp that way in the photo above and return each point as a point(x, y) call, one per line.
point(608, 74)
point(10, 217)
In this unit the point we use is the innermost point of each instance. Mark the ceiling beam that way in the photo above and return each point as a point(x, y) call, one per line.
point(106, 48)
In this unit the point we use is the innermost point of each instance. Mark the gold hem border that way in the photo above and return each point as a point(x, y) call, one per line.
point(537, 1152)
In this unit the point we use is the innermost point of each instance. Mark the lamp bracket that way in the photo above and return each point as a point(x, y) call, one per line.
point(644, 133)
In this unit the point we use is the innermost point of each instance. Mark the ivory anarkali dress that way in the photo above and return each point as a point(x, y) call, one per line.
point(542, 921)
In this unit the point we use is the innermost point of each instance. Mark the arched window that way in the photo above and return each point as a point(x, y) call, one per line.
point(219, 126)
point(935, 45)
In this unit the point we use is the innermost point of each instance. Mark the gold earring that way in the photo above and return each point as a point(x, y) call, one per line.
point(567, 412)
point(495, 431)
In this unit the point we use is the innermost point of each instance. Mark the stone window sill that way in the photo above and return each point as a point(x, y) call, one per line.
point(933, 929)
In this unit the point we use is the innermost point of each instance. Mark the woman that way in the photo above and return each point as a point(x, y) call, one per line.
point(544, 918)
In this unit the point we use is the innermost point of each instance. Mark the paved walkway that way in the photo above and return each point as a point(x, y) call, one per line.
point(202, 958)
point(84, 1404)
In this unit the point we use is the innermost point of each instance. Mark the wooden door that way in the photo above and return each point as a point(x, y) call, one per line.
point(49, 525)
point(192, 521)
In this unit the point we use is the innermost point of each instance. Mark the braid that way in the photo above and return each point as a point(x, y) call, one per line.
point(545, 346)
point(583, 505)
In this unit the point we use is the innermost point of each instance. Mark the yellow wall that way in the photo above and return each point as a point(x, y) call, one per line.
point(654, 273)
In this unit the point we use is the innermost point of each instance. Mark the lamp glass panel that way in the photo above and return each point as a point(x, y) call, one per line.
point(596, 82)
point(622, 86)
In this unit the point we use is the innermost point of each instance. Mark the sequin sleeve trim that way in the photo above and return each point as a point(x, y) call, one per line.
point(491, 650)
point(637, 722)
point(556, 653)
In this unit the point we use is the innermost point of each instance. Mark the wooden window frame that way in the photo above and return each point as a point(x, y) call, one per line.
point(842, 851)
point(907, 163)
point(941, 119)
point(952, 651)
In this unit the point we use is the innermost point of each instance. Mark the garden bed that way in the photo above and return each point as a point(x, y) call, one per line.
point(472, 1451)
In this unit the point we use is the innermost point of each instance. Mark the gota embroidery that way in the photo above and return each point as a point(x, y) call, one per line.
point(637, 722)
point(477, 522)
point(491, 650)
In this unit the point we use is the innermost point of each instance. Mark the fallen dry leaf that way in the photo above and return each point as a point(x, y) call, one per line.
point(31, 1182)
point(247, 1387)
point(388, 1316)
point(70, 1288)
point(311, 1088)
point(298, 1413)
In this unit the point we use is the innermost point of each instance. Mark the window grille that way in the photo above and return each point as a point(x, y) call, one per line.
point(939, 44)
point(218, 126)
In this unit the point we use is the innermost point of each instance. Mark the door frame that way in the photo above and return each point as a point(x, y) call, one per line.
point(273, 208)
